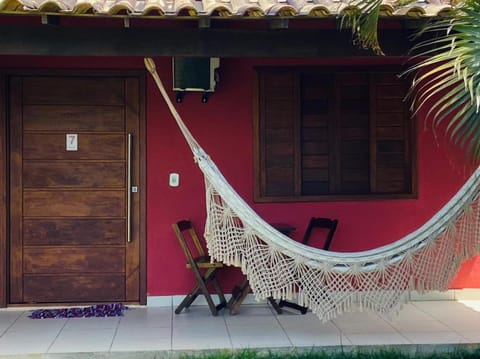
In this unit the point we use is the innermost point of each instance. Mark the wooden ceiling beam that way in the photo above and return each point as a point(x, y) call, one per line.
point(213, 42)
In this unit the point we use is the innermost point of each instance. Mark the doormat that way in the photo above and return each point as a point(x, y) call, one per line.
point(98, 310)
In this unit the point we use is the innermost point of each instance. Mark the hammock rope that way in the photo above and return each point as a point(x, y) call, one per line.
point(331, 283)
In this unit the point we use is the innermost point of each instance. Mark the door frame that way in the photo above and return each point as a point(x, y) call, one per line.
point(3, 193)
point(4, 169)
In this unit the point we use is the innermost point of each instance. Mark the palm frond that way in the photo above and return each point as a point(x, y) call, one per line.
point(362, 17)
point(446, 67)
point(448, 75)
point(363, 20)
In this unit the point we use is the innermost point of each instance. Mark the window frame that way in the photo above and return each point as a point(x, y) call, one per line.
point(259, 155)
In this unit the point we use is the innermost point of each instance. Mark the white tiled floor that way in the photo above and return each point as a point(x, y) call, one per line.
point(159, 330)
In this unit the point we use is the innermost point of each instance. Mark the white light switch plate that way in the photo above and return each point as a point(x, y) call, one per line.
point(174, 180)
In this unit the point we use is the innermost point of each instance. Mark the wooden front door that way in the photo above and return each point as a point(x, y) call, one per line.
point(74, 231)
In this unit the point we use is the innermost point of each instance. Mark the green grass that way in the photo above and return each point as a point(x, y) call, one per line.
point(431, 353)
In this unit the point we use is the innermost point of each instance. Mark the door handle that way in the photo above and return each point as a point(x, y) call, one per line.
point(129, 187)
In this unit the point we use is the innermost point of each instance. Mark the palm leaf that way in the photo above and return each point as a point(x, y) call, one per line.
point(363, 20)
point(362, 17)
point(448, 73)
point(446, 67)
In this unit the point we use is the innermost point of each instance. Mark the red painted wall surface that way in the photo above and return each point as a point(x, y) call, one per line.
point(223, 127)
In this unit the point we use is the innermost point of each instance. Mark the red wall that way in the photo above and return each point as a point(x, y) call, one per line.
point(223, 127)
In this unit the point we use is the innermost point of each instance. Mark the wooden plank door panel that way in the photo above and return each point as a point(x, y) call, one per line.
point(69, 208)
point(73, 90)
point(91, 146)
point(64, 260)
point(68, 118)
point(73, 288)
point(73, 232)
point(74, 174)
point(82, 203)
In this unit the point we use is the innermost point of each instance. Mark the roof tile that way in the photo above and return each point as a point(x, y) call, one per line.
point(223, 8)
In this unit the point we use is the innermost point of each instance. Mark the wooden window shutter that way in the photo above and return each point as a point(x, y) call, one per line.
point(353, 127)
point(317, 118)
point(391, 133)
point(333, 135)
point(278, 134)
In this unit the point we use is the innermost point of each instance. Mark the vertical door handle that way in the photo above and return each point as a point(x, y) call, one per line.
point(129, 187)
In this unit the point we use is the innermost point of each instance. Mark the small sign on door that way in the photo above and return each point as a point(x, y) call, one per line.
point(72, 142)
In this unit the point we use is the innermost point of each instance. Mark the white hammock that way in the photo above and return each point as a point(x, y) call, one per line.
point(330, 283)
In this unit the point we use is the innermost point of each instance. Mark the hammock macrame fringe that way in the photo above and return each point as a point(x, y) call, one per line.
point(331, 283)
point(330, 286)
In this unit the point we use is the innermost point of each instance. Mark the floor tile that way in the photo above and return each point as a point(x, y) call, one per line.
point(255, 309)
point(22, 347)
point(27, 341)
point(142, 338)
point(322, 334)
point(310, 339)
point(376, 338)
point(411, 325)
point(92, 323)
point(144, 329)
point(371, 325)
point(472, 304)
point(441, 306)
point(409, 312)
point(258, 336)
point(252, 315)
point(155, 317)
point(8, 318)
point(24, 322)
point(459, 313)
point(201, 337)
point(459, 324)
point(196, 316)
point(472, 336)
point(435, 338)
point(83, 340)
point(288, 318)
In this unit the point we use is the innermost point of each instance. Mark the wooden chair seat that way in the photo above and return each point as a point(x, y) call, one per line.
point(204, 262)
point(204, 270)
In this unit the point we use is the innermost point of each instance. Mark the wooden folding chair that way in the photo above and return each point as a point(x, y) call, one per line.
point(241, 291)
point(330, 225)
point(204, 270)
